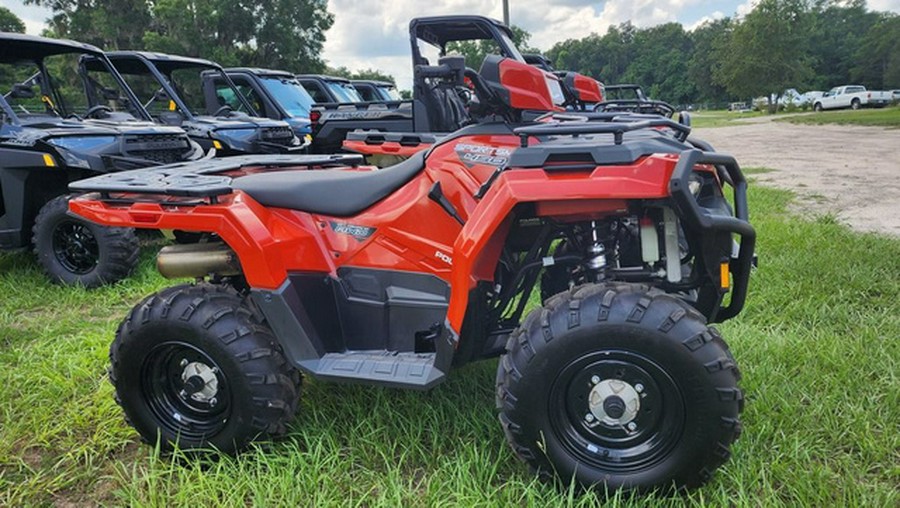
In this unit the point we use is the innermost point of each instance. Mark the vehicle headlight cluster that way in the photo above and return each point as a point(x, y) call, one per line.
point(74, 150)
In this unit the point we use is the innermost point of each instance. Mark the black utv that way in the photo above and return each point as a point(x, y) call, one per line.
point(58, 126)
point(179, 91)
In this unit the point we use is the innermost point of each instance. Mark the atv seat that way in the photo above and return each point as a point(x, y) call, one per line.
point(329, 192)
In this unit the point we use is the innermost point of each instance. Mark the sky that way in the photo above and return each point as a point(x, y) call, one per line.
point(373, 34)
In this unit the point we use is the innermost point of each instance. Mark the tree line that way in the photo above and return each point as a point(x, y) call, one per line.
point(283, 34)
point(804, 44)
point(780, 44)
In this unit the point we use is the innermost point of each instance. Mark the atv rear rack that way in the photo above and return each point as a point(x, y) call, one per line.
point(202, 179)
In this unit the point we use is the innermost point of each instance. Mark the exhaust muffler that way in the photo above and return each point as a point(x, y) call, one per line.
point(197, 260)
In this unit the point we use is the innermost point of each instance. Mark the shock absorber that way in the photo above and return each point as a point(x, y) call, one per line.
point(596, 253)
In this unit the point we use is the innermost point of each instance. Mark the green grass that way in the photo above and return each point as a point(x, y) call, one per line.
point(705, 119)
point(884, 117)
point(818, 346)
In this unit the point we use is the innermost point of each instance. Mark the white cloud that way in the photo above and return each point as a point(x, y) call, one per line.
point(884, 5)
point(33, 16)
point(352, 40)
point(705, 19)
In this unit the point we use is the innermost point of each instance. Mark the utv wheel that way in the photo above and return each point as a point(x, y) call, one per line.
point(194, 366)
point(74, 251)
point(619, 386)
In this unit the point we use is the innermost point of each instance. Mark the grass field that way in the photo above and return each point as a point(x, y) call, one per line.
point(883, 117)
point(818, 346)
point(720, 118)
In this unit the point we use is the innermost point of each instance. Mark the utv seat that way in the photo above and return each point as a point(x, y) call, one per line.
point(329, 191)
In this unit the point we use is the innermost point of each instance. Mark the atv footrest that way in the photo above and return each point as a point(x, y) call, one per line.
point(387, 368)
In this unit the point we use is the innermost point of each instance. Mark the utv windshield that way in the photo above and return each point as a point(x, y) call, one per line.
point(290, 94)
point(188, 85)
point(390, 93)
point(186, 89)
point(58, 89)
point(344, 91)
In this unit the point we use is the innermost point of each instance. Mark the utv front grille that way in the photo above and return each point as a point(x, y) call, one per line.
point(278, 135)
point(161, 148)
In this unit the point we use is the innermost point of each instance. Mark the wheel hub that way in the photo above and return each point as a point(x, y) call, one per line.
point(614, 402)
point(200, 382)
point(75, 247)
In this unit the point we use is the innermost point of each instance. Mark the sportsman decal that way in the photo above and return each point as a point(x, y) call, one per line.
point(358, 232)
point(481, 154)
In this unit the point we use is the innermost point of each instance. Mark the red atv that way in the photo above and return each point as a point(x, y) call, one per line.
point(393, 277)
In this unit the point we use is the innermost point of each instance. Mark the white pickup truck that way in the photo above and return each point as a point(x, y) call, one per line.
point(851, 96)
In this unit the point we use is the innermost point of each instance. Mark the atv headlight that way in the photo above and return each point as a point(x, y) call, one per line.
point(82, 144)
point(75, 150)
point(695, 184)
point(236, 133)
point(556, 92)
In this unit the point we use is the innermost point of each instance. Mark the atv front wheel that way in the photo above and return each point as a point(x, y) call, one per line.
point(74, 251)
point(194, 366)
point(620, 386)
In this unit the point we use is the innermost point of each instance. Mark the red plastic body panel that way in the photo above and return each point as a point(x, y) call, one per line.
point(411, 232)
point(588, 89)
point(386, 148)
point(527, 86)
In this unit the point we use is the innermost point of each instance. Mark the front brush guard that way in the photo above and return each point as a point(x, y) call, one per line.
point(701, 220)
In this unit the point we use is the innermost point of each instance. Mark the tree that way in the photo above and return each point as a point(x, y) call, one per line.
point(606, 57)
point(9, 22)
point(767, 52)
point(660, 62)
point(475, 51)
point(366, 74)
point(108, 24)
point(708, 40)
point(286, 34)
point(837, 30)
point(876, 63)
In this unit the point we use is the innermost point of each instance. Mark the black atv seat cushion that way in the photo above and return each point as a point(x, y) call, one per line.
point(334, 192)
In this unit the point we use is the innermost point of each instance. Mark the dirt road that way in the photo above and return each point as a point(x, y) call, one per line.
point(852, 172)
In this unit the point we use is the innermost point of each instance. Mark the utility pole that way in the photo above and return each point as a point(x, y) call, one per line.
point(506, 12)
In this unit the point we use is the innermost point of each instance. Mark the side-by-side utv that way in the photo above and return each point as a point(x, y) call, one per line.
point(198, 96)
point(55, 128)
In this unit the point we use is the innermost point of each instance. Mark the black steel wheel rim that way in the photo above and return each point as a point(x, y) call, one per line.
point(168, 395)
point(659, 423)
point(75, 247)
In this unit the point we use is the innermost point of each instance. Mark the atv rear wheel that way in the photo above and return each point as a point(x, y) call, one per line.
point(194, 366)
point(74, 251)
point(620, 386)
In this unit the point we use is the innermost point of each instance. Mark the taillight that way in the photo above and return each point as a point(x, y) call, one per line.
point(315, 116)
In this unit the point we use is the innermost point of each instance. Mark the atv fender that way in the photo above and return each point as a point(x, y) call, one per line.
point(264, 247)
point(478, 246)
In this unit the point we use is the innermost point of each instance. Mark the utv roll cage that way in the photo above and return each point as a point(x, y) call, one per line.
point(441, 30)
point(161, 66)
point(30, 48)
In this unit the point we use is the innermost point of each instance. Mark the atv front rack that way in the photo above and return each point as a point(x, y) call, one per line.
point(602, 123)
point(202, 179)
